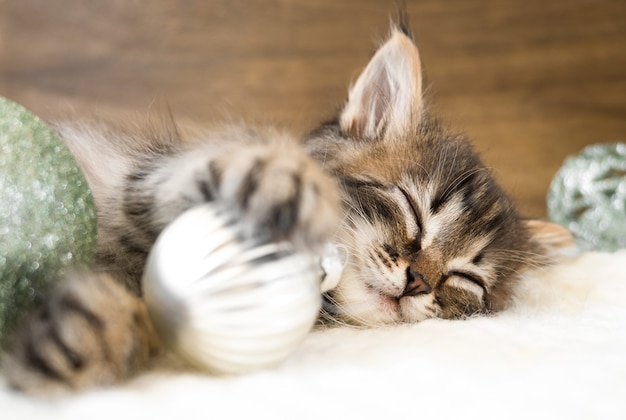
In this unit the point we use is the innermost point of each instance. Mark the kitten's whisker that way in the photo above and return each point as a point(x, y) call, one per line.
point(461, 178)
point(413, 163)
point(440, 164)
point(528, 257)
point(339, 311)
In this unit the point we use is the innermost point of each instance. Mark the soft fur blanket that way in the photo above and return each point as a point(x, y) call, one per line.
point(560, 353)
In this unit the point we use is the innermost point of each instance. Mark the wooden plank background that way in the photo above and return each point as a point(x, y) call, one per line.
point(530, 81)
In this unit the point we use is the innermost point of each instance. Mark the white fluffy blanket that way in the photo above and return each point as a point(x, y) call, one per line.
point(560, 353)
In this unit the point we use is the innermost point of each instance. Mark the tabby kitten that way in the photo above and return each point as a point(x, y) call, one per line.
point(428, 231)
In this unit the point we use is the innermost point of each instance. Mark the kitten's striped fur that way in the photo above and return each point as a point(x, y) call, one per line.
point(429, 232)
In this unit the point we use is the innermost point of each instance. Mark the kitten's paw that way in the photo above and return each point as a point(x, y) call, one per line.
point(91, 332)
point(282, 191)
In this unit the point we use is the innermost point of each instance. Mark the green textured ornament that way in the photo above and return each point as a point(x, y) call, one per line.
point(588, 196)
point(47, 213)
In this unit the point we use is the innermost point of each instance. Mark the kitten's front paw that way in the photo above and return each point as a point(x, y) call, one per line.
point(90, 332)
point(283, 192)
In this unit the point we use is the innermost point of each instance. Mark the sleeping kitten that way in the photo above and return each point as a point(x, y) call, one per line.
point(428, 230)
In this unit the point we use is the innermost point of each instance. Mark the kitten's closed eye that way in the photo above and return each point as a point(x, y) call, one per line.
point(468, 281)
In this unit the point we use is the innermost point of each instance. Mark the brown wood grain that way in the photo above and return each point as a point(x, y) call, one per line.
point(530, 81)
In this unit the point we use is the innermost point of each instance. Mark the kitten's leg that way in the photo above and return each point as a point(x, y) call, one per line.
point(271, 182)
point(91, 331)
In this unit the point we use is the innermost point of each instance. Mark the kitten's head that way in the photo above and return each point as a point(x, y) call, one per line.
point(429, 231)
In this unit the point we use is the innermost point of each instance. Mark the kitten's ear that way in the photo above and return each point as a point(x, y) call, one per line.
point(552, 237)
point(387, 97)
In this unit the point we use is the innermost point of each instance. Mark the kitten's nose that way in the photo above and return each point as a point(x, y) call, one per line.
point(415, 284)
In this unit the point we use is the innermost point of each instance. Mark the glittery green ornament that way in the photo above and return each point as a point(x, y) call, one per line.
point(588, 196)
point(47, 214)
